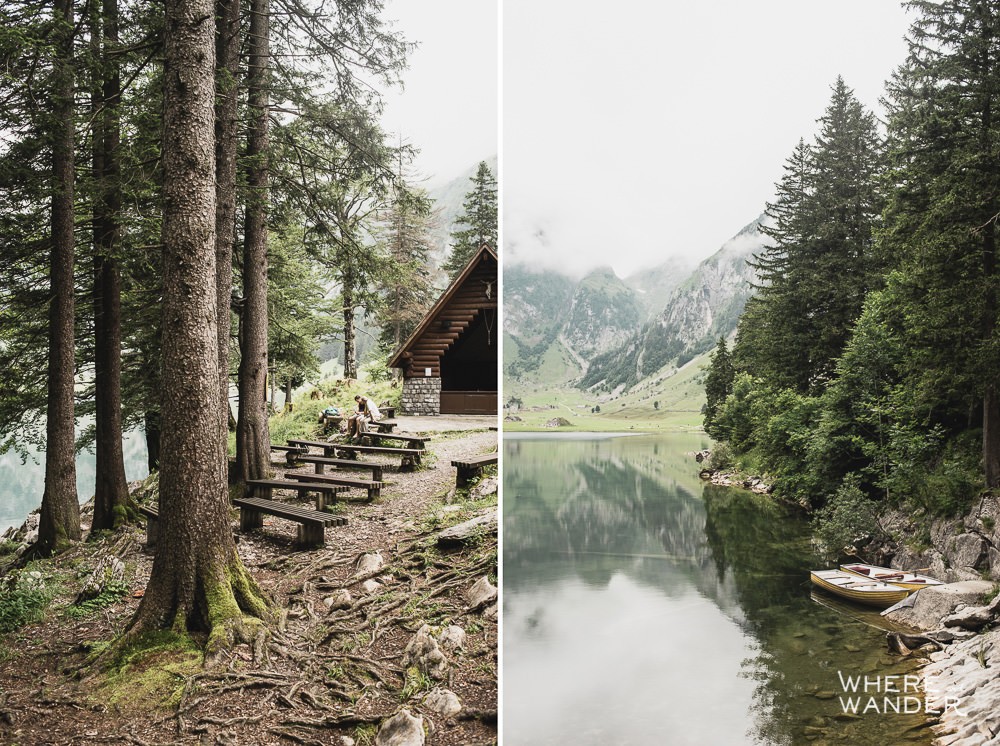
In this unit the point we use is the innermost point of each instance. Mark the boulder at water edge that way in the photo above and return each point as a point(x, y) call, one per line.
point(928, 606)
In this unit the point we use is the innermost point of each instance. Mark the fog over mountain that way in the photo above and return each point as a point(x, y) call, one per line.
point(610, 333)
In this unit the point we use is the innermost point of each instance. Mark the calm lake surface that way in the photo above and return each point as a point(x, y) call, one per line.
point(642, 606)
point(22, 485)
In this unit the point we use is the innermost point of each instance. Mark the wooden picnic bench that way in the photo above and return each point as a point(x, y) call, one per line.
point(384, 426)
point(325, 445)
point(321, 462)
point(265, 488)
point(410, 456)
point(471, 468)
point(152, 524)
point(411, 441)
point(373, 488)
point(289, 449)
point(290, 452)
point(311, 522)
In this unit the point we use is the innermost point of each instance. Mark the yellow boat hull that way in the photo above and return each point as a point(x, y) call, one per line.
point(857, 588)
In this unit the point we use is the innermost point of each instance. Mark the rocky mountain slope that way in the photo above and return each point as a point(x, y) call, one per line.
point(554, 325)
point(608, 333)
point(704, 307)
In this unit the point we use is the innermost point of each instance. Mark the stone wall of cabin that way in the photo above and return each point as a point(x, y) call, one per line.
point(421, 396)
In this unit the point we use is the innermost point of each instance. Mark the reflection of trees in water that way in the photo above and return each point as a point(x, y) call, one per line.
point(765, 548)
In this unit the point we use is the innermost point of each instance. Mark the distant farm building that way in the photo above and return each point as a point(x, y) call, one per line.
point(450, 362)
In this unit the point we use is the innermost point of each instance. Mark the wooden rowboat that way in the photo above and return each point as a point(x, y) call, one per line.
point(910, 580)
point(857, 588)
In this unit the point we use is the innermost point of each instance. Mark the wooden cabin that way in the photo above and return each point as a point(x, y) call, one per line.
point(450, 363)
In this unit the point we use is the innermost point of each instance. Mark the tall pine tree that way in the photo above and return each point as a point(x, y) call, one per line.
point(942, 220)
point(479, 216)
point(813, 277)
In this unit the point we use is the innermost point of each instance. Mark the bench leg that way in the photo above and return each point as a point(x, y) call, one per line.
point(310, 534)
point(377, 473)
point(374, 492)
point(466, 474)
point(407, 464)
point(321, 497)
point(250, 519)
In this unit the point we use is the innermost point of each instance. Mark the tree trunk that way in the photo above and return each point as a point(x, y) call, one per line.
point(151, 426)
point(288, 394)
point(200, 583)
point(253, 440)
point(60, 515)
point(350, 354)
point(227, 46)
point(991, 436)
point(111, 488)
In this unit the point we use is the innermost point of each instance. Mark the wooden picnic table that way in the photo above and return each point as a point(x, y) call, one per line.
point(371, 486)
point(411, 441)
point(410, 456)
point(321, 462)
point(265, 488)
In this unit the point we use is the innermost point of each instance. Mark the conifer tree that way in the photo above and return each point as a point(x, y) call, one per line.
point(942, 219)
point(813, 278)
point(59, 523)
point(406, 285)
point(479, 217)
point(718, 385)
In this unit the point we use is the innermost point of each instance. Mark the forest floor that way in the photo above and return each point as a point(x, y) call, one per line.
point(330, 675)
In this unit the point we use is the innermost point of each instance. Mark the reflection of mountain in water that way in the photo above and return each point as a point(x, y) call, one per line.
point(591, 510)
point(600, 507)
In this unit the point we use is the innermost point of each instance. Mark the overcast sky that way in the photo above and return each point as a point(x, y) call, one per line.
point(449, 106)
point(635, 130)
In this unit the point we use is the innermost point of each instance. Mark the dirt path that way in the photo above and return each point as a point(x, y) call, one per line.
point(332, 675)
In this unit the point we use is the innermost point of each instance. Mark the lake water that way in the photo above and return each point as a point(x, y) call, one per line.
point(22, 485)
point(642, 606)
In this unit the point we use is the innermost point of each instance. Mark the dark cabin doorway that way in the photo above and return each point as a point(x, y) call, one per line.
point(469, 368)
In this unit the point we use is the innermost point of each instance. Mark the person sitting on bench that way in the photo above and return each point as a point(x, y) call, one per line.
point(367, 412)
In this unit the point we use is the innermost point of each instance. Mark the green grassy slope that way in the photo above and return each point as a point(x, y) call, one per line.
point(680, 395)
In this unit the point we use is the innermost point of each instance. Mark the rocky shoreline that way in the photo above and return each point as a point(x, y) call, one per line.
point(954, 621)
point(959, 681)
